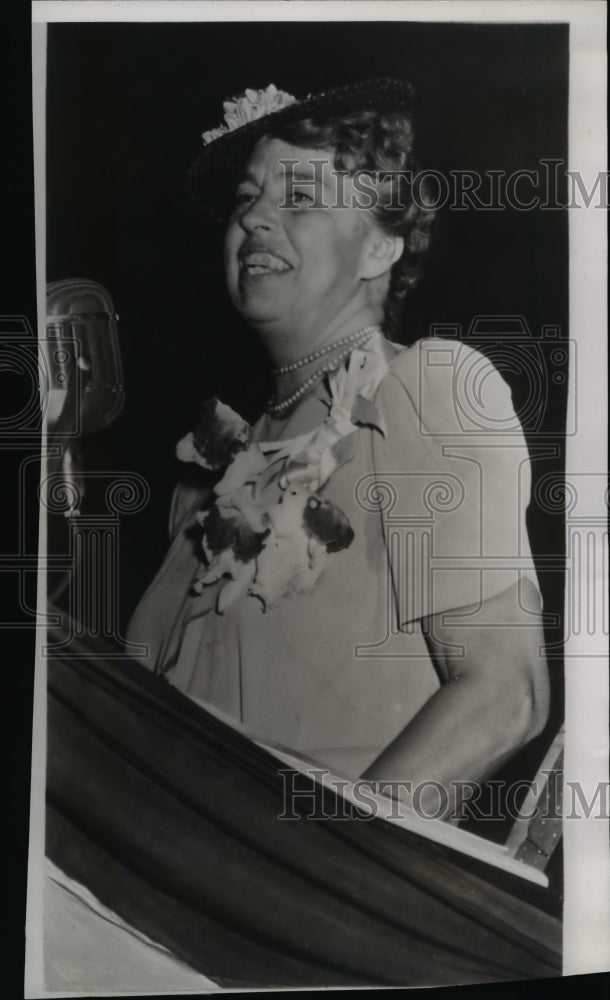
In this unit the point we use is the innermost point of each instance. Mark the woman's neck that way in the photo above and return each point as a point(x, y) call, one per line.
point(301, 375)
point(287, 346)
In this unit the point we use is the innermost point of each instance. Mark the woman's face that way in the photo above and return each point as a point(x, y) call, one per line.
point(297, 268)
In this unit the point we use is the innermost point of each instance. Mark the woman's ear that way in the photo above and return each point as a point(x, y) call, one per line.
point(381, 251)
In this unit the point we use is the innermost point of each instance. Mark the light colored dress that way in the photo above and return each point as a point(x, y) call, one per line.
point(436, 493)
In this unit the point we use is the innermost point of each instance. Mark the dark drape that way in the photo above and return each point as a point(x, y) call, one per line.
point(170, 817)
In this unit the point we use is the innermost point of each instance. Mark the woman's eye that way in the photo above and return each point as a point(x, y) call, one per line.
point(302, 198)
point(244, 198)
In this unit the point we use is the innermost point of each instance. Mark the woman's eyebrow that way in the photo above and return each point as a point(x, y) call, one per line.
point(303, 175)
point(312, 177)
point(298, 175)
point(248, 176)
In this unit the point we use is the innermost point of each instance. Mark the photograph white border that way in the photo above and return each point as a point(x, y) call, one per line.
point(586, 849)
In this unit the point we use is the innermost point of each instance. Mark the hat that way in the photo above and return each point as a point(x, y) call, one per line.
point(216, 170)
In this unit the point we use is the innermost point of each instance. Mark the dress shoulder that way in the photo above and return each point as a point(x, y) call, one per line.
point(451, 388)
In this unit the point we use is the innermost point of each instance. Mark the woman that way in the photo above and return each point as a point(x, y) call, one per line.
point(356, 666)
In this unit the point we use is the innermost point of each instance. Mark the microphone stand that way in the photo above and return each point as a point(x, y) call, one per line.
point(66, 458)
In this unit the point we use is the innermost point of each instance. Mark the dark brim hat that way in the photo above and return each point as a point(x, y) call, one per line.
point(215, 173)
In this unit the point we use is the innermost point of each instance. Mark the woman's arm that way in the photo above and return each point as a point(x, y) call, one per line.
point(494, 698)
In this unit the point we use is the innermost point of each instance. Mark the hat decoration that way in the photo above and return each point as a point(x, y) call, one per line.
point(248, 107)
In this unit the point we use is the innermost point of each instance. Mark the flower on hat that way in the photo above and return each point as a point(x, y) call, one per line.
point(247, 107)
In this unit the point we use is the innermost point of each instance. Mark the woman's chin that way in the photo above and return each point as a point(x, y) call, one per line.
point(260, 305)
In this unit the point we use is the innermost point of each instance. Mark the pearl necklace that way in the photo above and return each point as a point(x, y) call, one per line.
point(283, 369)
point(355, 340)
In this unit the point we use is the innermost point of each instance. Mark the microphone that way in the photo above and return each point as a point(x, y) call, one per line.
point(84, 391)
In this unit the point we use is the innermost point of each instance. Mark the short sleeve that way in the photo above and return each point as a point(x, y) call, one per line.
point(453, 480)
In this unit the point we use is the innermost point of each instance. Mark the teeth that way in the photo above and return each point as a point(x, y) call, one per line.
point(261, 263)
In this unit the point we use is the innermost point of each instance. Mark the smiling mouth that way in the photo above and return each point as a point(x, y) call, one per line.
point(258, 263)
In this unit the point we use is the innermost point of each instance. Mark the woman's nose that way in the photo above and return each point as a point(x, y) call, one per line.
point(260, 214)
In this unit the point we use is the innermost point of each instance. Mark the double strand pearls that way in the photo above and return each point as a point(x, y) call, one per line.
point(352, 341)
point(351, 337)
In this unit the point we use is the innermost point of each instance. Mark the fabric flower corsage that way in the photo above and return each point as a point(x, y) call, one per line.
point(221, 441)
point(247, 107)
point(269, 531)
point(270, 538)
